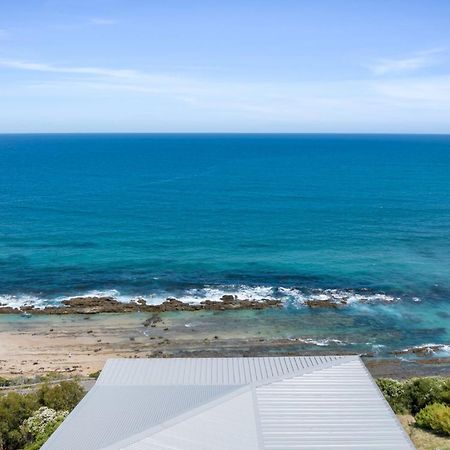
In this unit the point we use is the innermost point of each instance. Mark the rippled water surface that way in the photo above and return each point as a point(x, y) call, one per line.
point(360, 218)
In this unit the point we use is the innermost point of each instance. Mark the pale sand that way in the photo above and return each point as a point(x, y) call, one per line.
point(69, 344)
point(80, 345)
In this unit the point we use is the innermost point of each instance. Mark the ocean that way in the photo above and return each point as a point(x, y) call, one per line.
point(192, 216)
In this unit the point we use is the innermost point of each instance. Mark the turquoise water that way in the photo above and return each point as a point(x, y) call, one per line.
point(290, 216)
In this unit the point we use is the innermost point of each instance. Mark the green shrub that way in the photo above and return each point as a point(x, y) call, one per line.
point(425, 391)
point(39, 427)
point(41, 420)
point(14, 409)
point(435, 417)
point(50, 376)
point(42, 438)
point(412, 395)
point(396, 394)
point(445, 396)
point(60, 397)
point(95, 374)
point(4, 382)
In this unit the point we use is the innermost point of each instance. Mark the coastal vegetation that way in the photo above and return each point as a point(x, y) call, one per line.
point(27, 418)
point(435, 417)
point(426, 399)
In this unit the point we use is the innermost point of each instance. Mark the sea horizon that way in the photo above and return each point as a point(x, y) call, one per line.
point(225, 133)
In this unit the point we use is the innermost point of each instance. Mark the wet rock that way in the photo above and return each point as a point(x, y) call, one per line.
point(421, 350)
point(172, 304)
point(322, 303)
point(9, 310)
point(141, 301)
point(107, 304)
point(152, 321)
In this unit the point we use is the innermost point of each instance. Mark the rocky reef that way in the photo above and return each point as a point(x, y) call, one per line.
point(423, 350)
point(106, 304)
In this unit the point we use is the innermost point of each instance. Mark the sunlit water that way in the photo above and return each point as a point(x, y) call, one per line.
point(360, 218)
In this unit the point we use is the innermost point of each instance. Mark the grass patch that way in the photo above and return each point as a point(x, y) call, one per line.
point(422, 439)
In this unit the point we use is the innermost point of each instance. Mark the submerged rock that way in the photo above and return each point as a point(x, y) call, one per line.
point(153, 320)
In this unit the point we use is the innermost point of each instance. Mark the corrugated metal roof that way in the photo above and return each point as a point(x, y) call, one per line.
point(334, 408)
point(268, 403)
point(208, 371)
point(111, 413)
point(231, 425)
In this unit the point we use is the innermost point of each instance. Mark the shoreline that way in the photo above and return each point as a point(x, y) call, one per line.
point(207, 297)
point(108, 304)
point(80, 344)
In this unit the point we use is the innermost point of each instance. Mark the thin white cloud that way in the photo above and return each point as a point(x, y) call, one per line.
point(115, 79)
point(431, 90)
point(416, 61)
point(96, 71)
point(387, 103)
point(102, 21)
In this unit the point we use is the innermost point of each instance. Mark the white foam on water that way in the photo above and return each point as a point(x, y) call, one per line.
point(430, 349)
point(94, 293)
point(18, 301)
point(299, 297)
point(402, 358)
point(444, 350)
point(321, 342)
point(241, 292)
point(376, 348)
point(294, 297)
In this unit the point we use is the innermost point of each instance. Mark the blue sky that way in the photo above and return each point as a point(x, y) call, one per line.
point(245, 66)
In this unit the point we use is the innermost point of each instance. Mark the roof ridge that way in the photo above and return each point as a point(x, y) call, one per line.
point(213, 371)
point(305, 371)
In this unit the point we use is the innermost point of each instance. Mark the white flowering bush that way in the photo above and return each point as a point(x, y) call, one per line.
point(42, 420)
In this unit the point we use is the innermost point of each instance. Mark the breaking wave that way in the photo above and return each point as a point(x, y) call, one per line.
point(290, 296)
point(426, 350)
point(321, 342)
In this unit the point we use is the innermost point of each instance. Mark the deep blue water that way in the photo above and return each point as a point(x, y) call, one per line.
point(165, 214)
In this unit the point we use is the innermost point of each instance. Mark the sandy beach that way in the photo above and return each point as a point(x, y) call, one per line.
point(80, 344)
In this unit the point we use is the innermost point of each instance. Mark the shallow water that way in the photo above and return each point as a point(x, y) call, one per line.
point(379, 330)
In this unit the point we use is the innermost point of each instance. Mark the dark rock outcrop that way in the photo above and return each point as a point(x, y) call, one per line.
point(421, 350)
point(324, 303)
point(106, 304)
